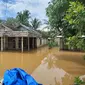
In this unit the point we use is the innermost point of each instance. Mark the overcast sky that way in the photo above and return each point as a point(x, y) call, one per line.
point(36, 8)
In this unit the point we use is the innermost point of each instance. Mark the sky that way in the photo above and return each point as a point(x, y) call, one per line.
point(36, 8)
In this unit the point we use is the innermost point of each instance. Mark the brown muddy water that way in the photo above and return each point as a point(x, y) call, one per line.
point(47, 66)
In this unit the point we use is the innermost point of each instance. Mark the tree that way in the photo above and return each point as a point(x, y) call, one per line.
point(67, 18)
point(76, 17)
point(23, 17)
point(44, 33)
point(35, 23)
point(48, 26)
point(56, 12)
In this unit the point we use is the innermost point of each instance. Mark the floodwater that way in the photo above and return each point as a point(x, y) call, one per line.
point(47, 66)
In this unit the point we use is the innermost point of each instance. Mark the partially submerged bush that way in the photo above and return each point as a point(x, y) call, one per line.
point(52, 44)
point(75, 43)
point(72, 42)
point(84, 57)
point(78, 81)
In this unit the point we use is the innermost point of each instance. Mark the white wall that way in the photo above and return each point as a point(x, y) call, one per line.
point(38, 42)
point(43, 42)
point(57, 40)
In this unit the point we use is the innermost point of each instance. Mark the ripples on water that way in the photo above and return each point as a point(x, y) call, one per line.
point(47, 66)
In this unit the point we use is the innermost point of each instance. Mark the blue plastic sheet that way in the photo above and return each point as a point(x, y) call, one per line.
point(18, 76)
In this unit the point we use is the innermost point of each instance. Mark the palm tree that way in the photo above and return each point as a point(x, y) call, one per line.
point(46, 22)
point(35, 23)
point(23, 17)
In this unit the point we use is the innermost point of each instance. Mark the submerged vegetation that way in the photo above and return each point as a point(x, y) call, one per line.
point(75, 43)
point(78, 81)
point(52, 44)
point(84, 57)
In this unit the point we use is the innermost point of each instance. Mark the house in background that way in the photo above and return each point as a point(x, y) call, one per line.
point(59, 41)
point(24, 38)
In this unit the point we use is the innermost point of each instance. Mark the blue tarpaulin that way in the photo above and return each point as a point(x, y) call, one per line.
point(18, 76)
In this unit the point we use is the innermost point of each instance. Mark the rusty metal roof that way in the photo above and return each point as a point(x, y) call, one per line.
point(6, 31)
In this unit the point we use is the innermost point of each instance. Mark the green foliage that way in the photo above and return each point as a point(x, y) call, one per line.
point(48, 26)
point(52, 44)
point(44, 33)
point(35, 23)
point(83, 1)
point(76, 16)
point(55, 12)
point(73, 13)
point(76, 43)
point(81, 44)
point(84, 57)
point(72, 42)
point(78, 81)
point(23, 17)
point(67, 18)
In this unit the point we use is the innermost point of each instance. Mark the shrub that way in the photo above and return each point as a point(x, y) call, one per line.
point(52, 44)
point(78, 81)
point(75, 43)
point(84, 57)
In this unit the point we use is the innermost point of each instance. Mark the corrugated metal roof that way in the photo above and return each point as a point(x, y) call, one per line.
point(28, 32)
point(5, 27)
point(31, 30)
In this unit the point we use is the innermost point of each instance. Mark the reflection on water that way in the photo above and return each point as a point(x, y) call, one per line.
point(50, 60)
point(47, 66)
point(28, 61)
point(66, 80)
point(55, 70)
point(49, 74)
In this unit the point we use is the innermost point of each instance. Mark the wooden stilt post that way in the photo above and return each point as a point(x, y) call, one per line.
point(1, 43)
point(22, 44)
point(17, 43)
point(33, 42)
point(28, 44)
point(4, 43)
